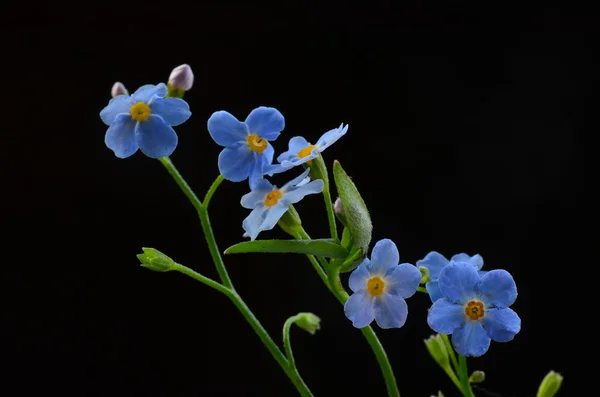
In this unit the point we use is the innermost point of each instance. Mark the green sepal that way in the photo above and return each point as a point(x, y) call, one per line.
point(290, 222)
point(173, 92)
point(320, 247)
point(155, 260)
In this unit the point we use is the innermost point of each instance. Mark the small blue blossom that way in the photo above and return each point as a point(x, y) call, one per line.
point(380, 286)
point(435, 262)
point(268, 203)
point(247, 150)
point(475, 309)
point(300, 151)
point(143, 121)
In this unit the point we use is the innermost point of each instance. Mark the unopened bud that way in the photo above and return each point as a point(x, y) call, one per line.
point(308, 322)
point(550, 385)
point(155, 260)
point(118, 89)
point(181, 78)
point(477, 377)
point(437, 348)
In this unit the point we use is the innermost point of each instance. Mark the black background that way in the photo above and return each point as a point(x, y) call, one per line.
point(466, 135)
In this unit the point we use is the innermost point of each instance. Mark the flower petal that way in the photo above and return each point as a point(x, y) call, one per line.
point(291, 184)
point(155, 138)
point(445, 317)
point(331, 136)
point(391, 311)
point(261, 162)
point(225, 129)
point(257, 195)
point(433, 288)
point(174, 111)
point(265, 122)
point(273, 214)
point(120, 136)
point(471, 339)
point(498, 288)
point(359, 277)
point(458, 282)
point(296, 144)
point(434, 262)
point(476, 260)
point(501, 324)
point(252, 223)
point(292, 196)
point(384, 256)
point(146, 92)
point(236, 162)
point(403, 280)
point(117, 105)
point(360, 309)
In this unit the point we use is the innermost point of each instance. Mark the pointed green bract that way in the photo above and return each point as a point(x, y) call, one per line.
point(321, 247)
point(356, 215)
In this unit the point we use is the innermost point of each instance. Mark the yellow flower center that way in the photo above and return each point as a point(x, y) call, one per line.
point(273, 197)
point(375, 286)
point(306, 151)
point(256, 143)
point(474, 310)
point(140, 111)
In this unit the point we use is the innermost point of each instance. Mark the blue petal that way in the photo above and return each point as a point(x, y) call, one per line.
point(257, 195)
point(434, 262)
point(276, 168)
point(384, 256)
point(296, 144)
point(120, 137)
point(476, 260)
point(390, 311)
point(296, 161)
point(403, 280)
point(360, 309)
point(155, 138)
point(359, 277)
point(501, 324)
point(265, 122)
point(261, 162)
point(116, 106)
point(236, 162)
point(458, 282)
point(174, 111)
point(330, 137)
point(297, 194)
point(252, 223)
point(291, 184)
point(225, 129)
point(445, 317)
point(471, 339)
point(146, 92)
point(498, 288)
point(433, 288)
point(273, 215)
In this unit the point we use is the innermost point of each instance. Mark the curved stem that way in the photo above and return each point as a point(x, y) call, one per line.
point(421, 289)
point(212, 190)
point(213, 248)
point(302, 235)
point(464, 376)
point(330, 213)
point(199, 277)
point(287, 346)
point(451, 353)
point(187, 190)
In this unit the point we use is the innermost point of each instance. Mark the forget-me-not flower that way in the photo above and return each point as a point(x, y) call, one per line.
point(475, 309)
point(380, 286)
point(301, 151)
point(435, 262)
point(247, 150)
point(143, 121)
point(268, 203)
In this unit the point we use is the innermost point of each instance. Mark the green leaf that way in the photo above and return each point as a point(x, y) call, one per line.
point(356, 214)
point(320, 247)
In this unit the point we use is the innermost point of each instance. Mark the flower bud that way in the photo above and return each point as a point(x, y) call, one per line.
point(118, 89)
point(437, 348)
point(155, 260)
point(181, 79)
point(550, 385)
point(477, 377)
point(308, 322)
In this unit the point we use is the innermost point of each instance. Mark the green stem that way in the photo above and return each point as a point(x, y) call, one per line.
point(212, 190)
point(330, 213)
point(451, 353)
point(287, 346)
point(187, 190)
point(453, 377)
point(314, 263)
point(464, 376)
point(290, 371)
point(421, 289)
point(370, 336)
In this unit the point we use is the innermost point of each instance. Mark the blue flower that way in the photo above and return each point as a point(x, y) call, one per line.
point(268, 203)
point(247, 150)
point(475, 309)
point(301, 151)
point(380, 286)
point(435, 262)
point(143, 121)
